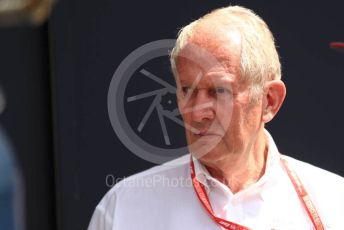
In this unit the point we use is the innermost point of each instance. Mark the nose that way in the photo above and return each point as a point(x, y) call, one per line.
point(202, 107)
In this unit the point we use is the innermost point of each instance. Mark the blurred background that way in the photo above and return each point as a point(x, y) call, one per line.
point(58, 151)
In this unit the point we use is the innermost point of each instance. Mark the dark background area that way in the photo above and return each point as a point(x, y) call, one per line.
point(56, 79)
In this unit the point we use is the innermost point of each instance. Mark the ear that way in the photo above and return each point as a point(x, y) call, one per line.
point(274, 94)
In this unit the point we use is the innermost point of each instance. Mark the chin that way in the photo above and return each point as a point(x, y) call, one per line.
point(208, 152)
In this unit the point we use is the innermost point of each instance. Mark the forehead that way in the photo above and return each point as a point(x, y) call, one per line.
point(208, 51)
point(204, 74)
point(209, 67)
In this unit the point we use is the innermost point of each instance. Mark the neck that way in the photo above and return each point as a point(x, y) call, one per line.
point(240, 170)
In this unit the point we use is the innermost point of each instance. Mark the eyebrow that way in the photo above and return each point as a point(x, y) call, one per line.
point(221, 74)
point(220, 78)
point(213, 79)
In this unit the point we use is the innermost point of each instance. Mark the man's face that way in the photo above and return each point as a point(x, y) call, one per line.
point(218, 114)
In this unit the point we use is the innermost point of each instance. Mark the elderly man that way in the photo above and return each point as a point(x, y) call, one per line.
point(229, 85)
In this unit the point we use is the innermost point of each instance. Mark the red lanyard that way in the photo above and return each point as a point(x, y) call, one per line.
point(301, 192)
point(303, 196)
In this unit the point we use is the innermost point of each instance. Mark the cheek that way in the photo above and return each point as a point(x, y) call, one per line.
point(181, 108)
point(226, 114)
point(182, 103)
point(251, 121)
point(187, 119)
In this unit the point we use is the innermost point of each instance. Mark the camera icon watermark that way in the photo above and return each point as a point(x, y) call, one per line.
point(133, 125)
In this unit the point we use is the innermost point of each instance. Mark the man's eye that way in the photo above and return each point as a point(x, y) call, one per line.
point(186, 89)
point(220, 90)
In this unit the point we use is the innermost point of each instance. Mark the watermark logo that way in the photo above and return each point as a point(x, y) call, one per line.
point(142, 104)
point(162, 106)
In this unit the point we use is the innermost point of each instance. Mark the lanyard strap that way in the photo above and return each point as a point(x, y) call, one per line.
point(301, 192)
point(303, 196)
point(203, 197)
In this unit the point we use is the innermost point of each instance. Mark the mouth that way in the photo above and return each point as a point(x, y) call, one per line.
point(207, 134)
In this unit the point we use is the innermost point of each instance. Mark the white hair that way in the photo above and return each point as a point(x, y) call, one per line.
point(259, 60)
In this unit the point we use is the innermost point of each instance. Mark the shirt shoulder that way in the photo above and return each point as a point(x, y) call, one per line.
point(142, 188)
point(173, 169)
point(325, 189)
point(151, 177)
point(315, 175)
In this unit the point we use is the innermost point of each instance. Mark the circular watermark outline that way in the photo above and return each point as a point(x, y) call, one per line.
point(116, 110)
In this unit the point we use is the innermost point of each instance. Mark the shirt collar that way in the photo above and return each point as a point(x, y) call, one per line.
point(202, 174)
point(272, 162)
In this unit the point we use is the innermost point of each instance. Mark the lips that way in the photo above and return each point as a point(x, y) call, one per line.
point(202, 134)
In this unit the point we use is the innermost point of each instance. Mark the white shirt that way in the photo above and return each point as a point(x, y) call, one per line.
point(163, 198)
